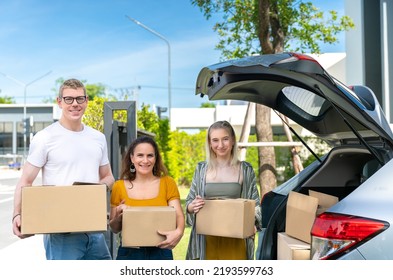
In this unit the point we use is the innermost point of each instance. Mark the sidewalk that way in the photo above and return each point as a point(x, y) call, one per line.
point(27, 249)
point(7, 173)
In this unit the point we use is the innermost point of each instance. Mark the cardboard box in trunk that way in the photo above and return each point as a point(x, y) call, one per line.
point(227, 218)
point(63, 209)
point(140, 225)
point(325, 201)
point(300, 215)
point(289, 248)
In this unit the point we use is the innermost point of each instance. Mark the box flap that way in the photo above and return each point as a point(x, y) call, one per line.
point(289, 248)
point(324, 200)
point(300, 215)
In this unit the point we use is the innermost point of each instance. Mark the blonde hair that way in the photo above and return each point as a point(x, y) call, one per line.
point(211, 157)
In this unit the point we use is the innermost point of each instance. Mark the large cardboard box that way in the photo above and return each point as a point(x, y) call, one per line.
point(300, 215)
point(140, 225)
point(63, 209)
point(289, 248)
point(226, 217)
point(325, 201)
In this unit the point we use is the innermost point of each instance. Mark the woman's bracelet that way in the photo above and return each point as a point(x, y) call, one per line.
point(13, 218)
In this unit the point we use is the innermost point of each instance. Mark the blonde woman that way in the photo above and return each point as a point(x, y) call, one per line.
point(221, 175)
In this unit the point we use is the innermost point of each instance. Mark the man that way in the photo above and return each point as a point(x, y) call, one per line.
point(67, 151)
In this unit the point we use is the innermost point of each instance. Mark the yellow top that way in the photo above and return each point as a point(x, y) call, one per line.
point(168, 191)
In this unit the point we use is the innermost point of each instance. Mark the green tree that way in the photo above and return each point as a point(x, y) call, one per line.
point(6, 100)
point(94, 114)
point(148, 120)
point(266, 27)
point(186, 150)
point(208, 105)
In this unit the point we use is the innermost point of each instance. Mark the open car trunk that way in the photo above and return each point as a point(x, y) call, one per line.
point(339, 173)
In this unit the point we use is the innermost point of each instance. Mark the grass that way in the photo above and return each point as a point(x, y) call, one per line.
point(179, 252)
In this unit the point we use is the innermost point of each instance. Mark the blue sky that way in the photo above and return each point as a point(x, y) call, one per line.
point(93, 40)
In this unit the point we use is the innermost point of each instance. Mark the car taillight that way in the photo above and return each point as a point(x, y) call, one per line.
point(333, 234)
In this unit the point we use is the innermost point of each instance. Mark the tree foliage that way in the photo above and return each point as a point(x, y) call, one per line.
point(250, 27)
point(262, 26)
point(186, 150)
point(6, 100)
point(208, 105)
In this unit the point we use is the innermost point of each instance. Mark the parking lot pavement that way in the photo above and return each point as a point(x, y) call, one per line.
point(7, 173)
point(27, 249)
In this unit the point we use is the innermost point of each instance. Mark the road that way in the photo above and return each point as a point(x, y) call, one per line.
point(8, 180)
point(9, 243)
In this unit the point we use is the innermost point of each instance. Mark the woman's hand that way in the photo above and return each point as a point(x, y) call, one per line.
point(196, 205)
point(172, 239)
point(116, 216)
point(119, 210)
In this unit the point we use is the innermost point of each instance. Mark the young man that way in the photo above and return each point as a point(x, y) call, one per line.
point(67, 151)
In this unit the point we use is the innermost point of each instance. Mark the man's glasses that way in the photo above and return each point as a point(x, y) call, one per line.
point(79, 99)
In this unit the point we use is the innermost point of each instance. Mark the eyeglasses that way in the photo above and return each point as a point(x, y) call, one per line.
point(79, 99)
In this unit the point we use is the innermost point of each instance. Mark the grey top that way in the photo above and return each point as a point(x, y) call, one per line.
point(223, 190)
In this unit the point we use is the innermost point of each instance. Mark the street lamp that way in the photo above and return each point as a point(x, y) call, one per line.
point(24, 103)
point(169, 59)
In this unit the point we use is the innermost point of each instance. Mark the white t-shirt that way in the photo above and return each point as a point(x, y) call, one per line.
point(67, 156)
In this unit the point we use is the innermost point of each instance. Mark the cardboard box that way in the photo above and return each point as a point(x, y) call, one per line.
point(140, 225)
point(300, 215)
point(226, 217)
point(61, 209)
point(289, 248)
point(325, 201)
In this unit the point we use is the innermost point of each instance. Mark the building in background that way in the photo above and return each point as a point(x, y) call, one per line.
point(12, 127)
point(368, 60)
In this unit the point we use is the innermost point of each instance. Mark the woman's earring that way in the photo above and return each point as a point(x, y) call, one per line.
point(132, 168)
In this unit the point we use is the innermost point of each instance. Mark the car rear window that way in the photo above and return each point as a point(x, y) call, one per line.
point(306, 100)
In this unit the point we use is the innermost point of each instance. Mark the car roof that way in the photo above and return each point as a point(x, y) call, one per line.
point(297, 86)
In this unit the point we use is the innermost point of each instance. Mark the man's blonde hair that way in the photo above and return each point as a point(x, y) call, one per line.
point(71, 83)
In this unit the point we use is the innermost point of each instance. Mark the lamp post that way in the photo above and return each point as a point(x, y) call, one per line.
point(25, 85)
point(169, 60)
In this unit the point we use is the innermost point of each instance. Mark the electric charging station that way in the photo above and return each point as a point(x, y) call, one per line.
point(118, 137)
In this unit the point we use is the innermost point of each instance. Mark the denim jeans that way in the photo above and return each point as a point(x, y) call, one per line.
point(76, 246)
point(144, 253)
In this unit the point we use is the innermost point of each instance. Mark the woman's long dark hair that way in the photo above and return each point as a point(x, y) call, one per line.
point(159, 168)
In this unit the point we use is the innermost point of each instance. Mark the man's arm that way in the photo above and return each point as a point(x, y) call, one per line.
point(29, 174)
point(106, 176)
